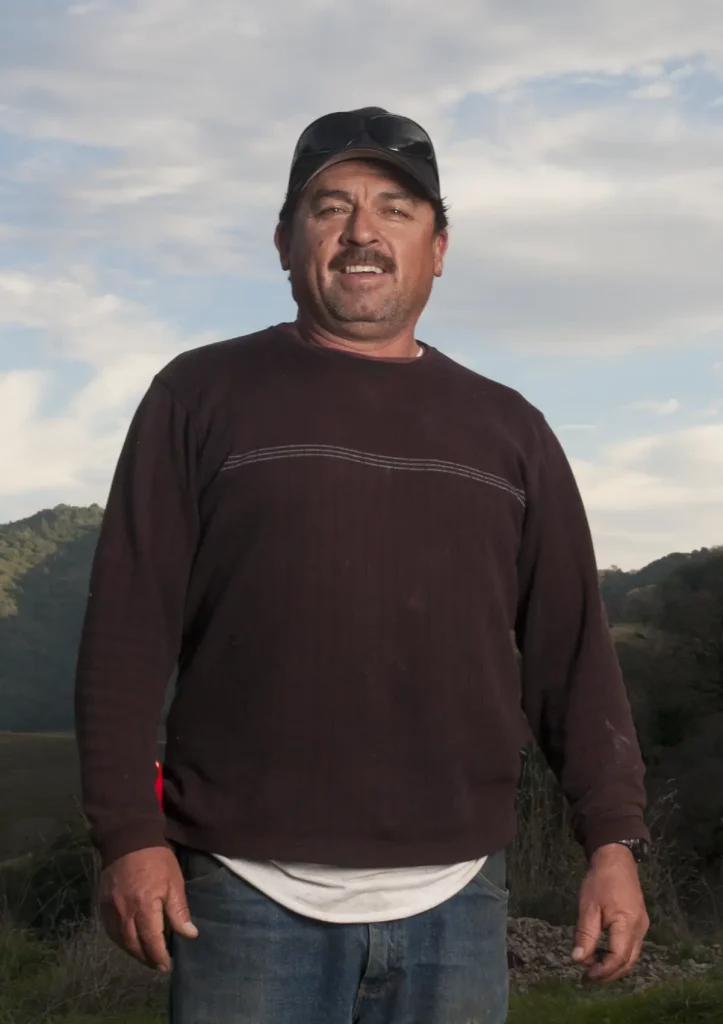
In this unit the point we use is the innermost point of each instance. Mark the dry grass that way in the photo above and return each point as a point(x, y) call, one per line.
point(65, 967)
point(82, 973)
point(92, 976)
point(546, 864)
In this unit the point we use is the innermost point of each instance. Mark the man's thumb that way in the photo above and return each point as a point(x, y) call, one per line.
point(587, 934)
point(179, 916)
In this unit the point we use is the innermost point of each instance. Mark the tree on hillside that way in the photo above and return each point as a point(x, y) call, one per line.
point(675, 680)
point(690, 611)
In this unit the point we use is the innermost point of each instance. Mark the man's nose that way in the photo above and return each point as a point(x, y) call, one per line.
point(360, 228)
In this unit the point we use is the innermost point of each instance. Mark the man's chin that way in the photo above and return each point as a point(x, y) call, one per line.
point(361, 319)
point(348, 314)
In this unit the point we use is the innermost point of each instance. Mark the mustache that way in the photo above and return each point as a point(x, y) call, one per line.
point(357, 257)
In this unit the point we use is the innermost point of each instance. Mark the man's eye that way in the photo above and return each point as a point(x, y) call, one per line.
point(397, 212)
point(330, 209)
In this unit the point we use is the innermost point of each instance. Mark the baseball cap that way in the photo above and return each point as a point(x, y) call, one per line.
point(369, 132)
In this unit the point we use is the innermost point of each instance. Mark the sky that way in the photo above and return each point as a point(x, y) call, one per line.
point(144, 153)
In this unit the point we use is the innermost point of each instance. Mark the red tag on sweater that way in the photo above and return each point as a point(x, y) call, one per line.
point(159, 783)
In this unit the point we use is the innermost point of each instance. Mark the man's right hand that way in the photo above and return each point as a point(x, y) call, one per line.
point(137, 894)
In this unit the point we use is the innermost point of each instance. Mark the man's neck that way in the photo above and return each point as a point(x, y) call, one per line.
point(401, 346)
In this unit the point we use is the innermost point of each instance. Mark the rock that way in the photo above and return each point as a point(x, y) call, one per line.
point(538, 951)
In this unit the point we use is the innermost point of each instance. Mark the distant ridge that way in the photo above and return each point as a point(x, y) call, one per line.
point(617, 585)
point(45, 563)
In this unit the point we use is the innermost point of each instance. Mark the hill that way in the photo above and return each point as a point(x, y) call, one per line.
point(45, 565)
point(617, 585)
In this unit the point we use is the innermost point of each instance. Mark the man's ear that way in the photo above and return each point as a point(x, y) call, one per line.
point(441, 241)
point(281, 241)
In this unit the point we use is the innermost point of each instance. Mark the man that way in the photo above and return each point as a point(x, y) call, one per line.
point(333, 530)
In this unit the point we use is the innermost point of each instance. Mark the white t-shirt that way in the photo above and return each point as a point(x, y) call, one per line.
point(355, 895)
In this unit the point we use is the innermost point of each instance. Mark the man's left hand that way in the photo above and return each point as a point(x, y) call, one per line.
point(611, 900)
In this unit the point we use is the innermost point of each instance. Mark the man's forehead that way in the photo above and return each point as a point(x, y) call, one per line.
point(354, 176)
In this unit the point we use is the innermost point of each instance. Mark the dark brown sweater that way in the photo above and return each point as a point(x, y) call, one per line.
point(335, 550)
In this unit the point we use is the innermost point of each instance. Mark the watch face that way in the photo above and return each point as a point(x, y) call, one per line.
point(639, 848)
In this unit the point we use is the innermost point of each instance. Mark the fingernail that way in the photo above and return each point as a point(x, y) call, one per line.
point(578, 953)
point(190, 930)
point(163, 968)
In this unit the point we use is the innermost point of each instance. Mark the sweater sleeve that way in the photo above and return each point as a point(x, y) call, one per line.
point(134, 623)
point(573, 692)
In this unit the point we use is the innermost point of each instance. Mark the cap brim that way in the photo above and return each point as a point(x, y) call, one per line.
point(416, 169)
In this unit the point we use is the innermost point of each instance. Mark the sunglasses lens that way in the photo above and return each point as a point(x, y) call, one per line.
point(327, 135)
point(335, 131)
point(401, 136)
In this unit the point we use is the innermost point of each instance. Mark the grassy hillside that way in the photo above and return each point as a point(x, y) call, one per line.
point(39, 789)
point(44, 569)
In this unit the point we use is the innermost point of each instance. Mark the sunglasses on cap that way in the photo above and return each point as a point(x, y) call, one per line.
point(374, 129)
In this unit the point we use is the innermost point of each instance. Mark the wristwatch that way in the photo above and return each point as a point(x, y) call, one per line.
point(640, 848)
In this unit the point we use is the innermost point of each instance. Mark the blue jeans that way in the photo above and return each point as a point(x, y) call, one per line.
point(255, 962)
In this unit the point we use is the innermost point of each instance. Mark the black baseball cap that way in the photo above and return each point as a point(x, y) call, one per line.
point(371, 133)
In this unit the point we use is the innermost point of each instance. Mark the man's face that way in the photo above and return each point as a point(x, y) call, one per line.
point(362, 251)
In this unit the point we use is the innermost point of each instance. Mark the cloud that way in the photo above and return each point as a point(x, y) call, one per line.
point(584, 219)
point(83, 323)
point(654, 494)
point(117, 344)
point(599, 229)
point(62, 454)
point(657, 408)
point(654, 91)
point(678, 469)
point(596, 224)
point(86, 8)
point(711, 411)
